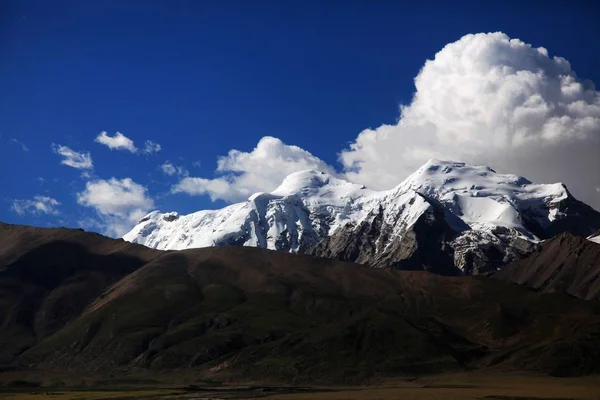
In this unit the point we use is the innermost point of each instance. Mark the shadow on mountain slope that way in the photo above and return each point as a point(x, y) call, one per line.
point(564, 264)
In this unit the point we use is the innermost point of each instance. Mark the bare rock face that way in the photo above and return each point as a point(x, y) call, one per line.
point(422, 246)
point(430, 244)
point(483, 253)
point(447, 217)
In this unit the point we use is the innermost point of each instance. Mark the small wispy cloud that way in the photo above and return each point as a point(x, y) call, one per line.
point(151, 147)
point(36, 206)
point(116, 142)
point(170, 169)
point(121, 142)
point(72, 158)
point(23, 146)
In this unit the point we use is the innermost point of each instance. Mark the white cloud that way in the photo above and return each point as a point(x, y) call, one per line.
point(117, 142)
point(122, 142)
point(121, 203)
point(260, 170)
point(151, 147)
point(489, 99)
point(72, 158)
point(38, 205)
point(23, 147)
point(220, 188)
point(169, 169)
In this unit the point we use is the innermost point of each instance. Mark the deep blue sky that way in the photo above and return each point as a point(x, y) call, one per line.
point(203, 77)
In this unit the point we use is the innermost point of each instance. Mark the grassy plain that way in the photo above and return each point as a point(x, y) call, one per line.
point(472, 386)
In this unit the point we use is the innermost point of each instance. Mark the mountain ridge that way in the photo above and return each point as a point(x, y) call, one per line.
point(486, 219)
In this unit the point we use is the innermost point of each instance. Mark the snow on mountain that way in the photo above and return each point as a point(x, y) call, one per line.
point(485, 199)
point(481, 208)
point(307, 205)
point(595, 238)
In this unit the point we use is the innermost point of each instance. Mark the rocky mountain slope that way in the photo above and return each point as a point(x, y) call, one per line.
point(564, 264)
point(447, 217)
point(247, 314)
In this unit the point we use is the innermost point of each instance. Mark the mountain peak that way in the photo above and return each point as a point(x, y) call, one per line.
point(321, 188)
point(310, 182)
point(441, 179)
point(443, 173)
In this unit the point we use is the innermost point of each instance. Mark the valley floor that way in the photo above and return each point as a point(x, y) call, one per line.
point(472, 386)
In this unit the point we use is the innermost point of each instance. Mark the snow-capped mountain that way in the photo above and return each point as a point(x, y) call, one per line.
point(445, 215)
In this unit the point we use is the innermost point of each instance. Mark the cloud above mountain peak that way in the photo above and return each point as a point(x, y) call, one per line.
point(485, 99)
point(489, 99)
point(260, 170)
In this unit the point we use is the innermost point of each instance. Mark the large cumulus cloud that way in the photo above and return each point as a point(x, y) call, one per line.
point(484, 99)
point(260, 170)
point(489, 99)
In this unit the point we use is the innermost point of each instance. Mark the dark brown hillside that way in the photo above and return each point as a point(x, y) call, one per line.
point(565, 264)
point(17, 240)
point(251, 314)
point(247, 314)
point(48, 276)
